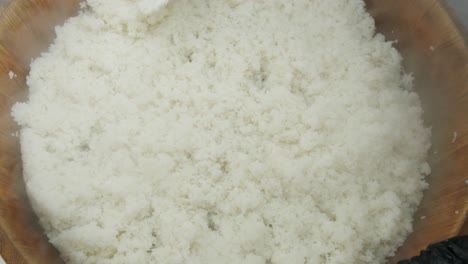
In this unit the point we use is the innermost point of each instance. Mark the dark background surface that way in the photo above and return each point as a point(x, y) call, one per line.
point(461, 10)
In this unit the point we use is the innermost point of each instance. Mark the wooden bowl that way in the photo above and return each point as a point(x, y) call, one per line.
point(434, 48)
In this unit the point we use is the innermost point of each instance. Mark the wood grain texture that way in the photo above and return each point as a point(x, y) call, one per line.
point(434, 49)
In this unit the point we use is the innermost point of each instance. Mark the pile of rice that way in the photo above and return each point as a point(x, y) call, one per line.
point(222, 131)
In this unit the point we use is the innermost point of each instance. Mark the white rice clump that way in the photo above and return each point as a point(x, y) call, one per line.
point(222, 131)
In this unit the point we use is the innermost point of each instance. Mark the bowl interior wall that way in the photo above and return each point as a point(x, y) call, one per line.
point(434, 49)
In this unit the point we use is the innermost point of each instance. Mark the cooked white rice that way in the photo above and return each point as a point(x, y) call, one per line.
point(222, 131)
